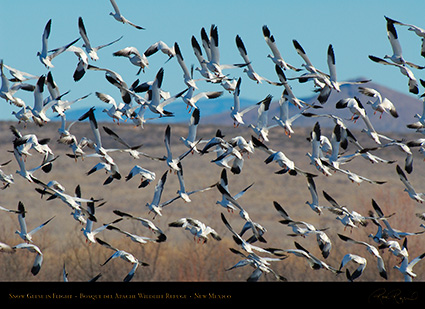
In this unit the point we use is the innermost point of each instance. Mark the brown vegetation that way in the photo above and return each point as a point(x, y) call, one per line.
point(180, 258)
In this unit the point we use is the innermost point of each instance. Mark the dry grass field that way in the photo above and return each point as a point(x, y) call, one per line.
point(180, 258)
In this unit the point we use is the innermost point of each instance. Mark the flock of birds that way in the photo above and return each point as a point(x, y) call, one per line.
point(328, 155)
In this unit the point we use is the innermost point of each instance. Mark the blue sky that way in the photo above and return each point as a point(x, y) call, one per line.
point(354, 28)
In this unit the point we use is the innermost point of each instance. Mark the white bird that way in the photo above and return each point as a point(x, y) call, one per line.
point(126, 256)
point(23, 232)
point(397, 56)
point(420, 124)
point(92, 51)
point(240, 241)
point(406, 267)
point(361, 261)
point(381, 104)
point(147, 175)
point(284, 120)
point(307, 63)
point(314, 204)
point(6, 179)
point(197, 228)
point(313, 261)
point(261, 127)
point(236, 113)
point(173, 162)
point(261, 265)
point(214, 64)
point(161, 46)
point(190, 99)
point(119, 17)
point(88, 230)
point(303, 229)
point(412, 83)
point(136, 238)
point(224, 202)
point(187, 75)
point(372, 250)
point(190, 140)
point(135, 57)
point(249, 70)
point(115, 111)
point(332, 83)
point(418, 31)
point(35, 269)
point(45, 58)
point(276, 56)
point(7, 92)
point(288, 93)
point(155, 206)
point(418, 197)
point(19, 76)
point(145, 222)
point(203, 69)
point(315, 156)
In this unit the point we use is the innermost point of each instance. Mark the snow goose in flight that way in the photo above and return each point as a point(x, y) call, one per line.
point(236, 113)
point(92, 51)
point(381, 104)
point(406, 267)
point(5, 248)
point(74, 202)
point(155, 104)
point(355, 178)
point(203, 69)
point(187, 76)
point(303, 229)
point(372, 250)
point(420, 124)
point(35, 269)
point(314, 204)
point(361, 261)
point(418, 31)
point(418, 197)
point(249, 70)
point(261, 127)
point(24, 233)
point(126, 256)
point(88, 231)
point(357, 109)
point(119, 17)
point(390, 231)
point(155, 206)
point(181, 193)
point(147, 176)
point(197, 228)
point(240, 241)
point(45, 58)
point(315, 156)
point(6, 179)
point(284, 120)
point(7, 92)
point(115, 111)
point(403, 147)
point(397, 56)
point(136, 238)
point(135, 57)
point(19, 76)
point(163, 47)
point(190, 140)
point(256, 228)
point(287, 93)
point(276, 56)
point(333, 83)
point(313, 261)
point(261, 265)
point(190, 99)
point(224, 202)
point(145, 222)
point(308, 65)
point(412, 83)
point(173, 162)
point(214, 64)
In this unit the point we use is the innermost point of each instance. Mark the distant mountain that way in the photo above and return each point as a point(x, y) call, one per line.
point(406, 105)
point(217, 111)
